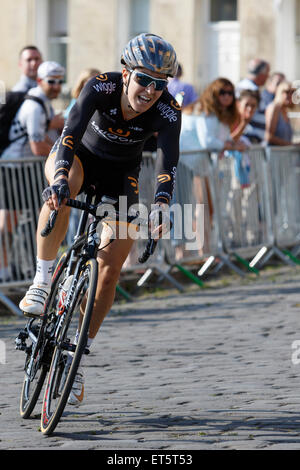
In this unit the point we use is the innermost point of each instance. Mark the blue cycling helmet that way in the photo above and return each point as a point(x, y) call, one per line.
point(151, 52)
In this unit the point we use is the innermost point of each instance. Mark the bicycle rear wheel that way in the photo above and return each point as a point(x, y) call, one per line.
point(58, 384)
point(35, 373)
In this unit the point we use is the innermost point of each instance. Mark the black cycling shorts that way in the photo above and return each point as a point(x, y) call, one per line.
point(110, 178)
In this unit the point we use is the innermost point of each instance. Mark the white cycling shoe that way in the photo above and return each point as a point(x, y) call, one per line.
point(77, 392)
point(34, 301)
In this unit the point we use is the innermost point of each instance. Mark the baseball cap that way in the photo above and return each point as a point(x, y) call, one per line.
point(50, 69)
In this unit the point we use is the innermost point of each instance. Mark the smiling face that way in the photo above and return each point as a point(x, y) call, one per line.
point(247, 107)
point(137, 97)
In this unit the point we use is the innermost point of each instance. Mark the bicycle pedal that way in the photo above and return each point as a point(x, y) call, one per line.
point(67, 346)
point(32, 315)
point(20, 341)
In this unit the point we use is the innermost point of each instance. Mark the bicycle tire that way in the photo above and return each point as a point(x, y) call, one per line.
point(35, 373)
point(50, 418)
point(29, 400)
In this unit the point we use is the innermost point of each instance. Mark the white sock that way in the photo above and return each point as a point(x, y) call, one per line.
point(43, 274)
point(89, 340)
point(89, 343)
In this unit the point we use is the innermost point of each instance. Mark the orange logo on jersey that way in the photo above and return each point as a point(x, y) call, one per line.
point(134, 183)
point(68, 141)
point(164, 178)
point(119, 132)
point(175, 105)
point(102, 77)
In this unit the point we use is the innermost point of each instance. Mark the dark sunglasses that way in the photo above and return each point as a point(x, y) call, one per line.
point(54, 81)
point(145, 80)
point(226, 92)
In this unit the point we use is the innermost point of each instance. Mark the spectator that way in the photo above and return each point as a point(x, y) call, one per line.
point(183, 92)
point(247, 104)
point(278, 126)
point(82, 79)
point(28, 134)
point(218, 113)
point(198, 191)
point(30, 59)
point(258, 72)
point(268, 94)
point(188, 136)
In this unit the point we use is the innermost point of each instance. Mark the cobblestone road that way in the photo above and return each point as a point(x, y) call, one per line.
point(210, 369)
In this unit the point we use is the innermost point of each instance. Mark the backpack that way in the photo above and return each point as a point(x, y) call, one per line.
point(8, 110)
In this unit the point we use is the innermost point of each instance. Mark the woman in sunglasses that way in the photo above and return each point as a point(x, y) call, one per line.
point(217, 113)
point(102, 145)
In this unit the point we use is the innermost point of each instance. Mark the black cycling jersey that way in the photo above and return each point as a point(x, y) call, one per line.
point(97, 121)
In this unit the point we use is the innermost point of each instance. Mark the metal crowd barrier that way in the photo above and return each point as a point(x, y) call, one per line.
point(196, 196)
point(251, 209)
point(244, 200)
point(230, 210)
point(284, 166)
point(21, 185)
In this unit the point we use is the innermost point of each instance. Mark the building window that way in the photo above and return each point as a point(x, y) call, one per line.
point(58, 31)
point(139, 17)
point(223, 10)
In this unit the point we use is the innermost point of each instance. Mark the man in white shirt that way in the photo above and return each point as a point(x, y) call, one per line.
point(29, 136)
point(28, 132)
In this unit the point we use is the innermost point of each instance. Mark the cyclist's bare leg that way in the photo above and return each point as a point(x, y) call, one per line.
point(110, 261)
point(47, 247)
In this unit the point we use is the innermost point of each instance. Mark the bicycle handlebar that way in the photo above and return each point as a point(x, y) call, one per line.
point(151, 243)
point(148, 251)
point(71, 203)
point(50, 224)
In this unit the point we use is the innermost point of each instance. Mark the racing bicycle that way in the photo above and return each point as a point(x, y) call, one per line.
point(47, 341)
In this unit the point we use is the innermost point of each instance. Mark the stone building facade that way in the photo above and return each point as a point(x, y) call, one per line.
point(211, 37)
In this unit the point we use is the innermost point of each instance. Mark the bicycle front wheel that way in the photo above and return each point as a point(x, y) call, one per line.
point(38, 357)
point(61, 375)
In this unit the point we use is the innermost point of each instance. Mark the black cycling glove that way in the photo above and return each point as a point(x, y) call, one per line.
point(60, 188)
